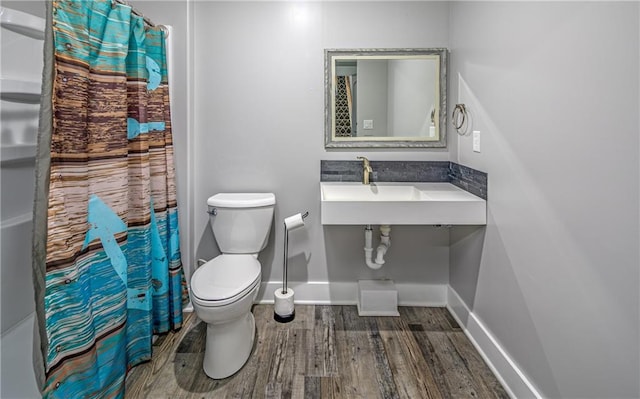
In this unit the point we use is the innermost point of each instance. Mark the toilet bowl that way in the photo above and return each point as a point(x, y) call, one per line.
point(224, 288)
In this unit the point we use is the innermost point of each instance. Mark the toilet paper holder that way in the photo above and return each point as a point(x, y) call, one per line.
point(291, 223)
point(283, 307)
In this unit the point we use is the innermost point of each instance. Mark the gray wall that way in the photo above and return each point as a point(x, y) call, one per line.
point(259, 81)
point(372, 97)
point(411, 97)
point(553, 88)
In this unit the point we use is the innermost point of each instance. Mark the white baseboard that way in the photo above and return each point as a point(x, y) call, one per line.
point(346, 293)
point(510, 376)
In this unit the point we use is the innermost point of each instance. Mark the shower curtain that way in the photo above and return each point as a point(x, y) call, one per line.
point(107, 268)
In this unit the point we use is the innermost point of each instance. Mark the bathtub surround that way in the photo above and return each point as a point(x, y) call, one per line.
point(468, 179)
point(20, 63)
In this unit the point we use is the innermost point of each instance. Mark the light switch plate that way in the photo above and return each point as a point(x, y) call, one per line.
point(367, 124)
point(476, 141)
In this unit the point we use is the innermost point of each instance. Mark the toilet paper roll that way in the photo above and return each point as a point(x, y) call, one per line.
point(283, 302)
point(294, 222)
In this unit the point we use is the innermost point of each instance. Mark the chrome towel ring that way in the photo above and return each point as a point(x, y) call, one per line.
point(460, 119)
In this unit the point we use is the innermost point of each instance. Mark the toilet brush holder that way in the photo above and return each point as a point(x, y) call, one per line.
point(284, 310)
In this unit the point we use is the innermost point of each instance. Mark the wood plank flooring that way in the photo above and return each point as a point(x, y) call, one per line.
point(326, 352)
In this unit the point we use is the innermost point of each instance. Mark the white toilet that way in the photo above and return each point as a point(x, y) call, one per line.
point(223, 289)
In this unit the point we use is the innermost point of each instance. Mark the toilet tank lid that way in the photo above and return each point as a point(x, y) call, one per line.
point(242, 200)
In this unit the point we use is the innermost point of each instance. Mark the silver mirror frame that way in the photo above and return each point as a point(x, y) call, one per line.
point(330, 142)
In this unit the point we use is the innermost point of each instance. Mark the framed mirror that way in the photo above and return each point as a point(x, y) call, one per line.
point(392, 98)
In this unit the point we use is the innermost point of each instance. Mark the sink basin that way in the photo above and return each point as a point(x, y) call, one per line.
point(399, 203)
point(370, 192)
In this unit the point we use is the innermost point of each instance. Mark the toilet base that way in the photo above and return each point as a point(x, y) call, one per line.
point(228, 346)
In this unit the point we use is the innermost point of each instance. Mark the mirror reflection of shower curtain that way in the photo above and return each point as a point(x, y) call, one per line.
point(343, 107)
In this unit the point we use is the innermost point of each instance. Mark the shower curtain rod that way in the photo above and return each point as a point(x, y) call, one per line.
point(138, 13)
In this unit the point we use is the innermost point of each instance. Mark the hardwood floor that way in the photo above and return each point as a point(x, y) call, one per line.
point(326, 352)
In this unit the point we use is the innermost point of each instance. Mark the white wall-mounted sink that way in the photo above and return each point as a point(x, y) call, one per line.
point(399, 203)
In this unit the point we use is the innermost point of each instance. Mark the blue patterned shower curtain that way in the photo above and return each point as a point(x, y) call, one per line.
point(107, 268)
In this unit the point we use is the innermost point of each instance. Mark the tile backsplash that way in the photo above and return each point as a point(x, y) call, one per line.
point(468, 179)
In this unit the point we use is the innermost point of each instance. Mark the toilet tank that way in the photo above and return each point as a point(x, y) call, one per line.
point(241, 222)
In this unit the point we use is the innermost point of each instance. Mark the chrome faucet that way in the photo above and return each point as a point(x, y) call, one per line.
point(366, 170)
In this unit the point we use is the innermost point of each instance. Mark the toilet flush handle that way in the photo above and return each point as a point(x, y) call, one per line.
point(212, 211)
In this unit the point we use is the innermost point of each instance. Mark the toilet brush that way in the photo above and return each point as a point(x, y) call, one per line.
point(284, 310)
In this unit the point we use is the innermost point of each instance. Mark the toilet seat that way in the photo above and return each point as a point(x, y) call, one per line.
point(225, 279)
